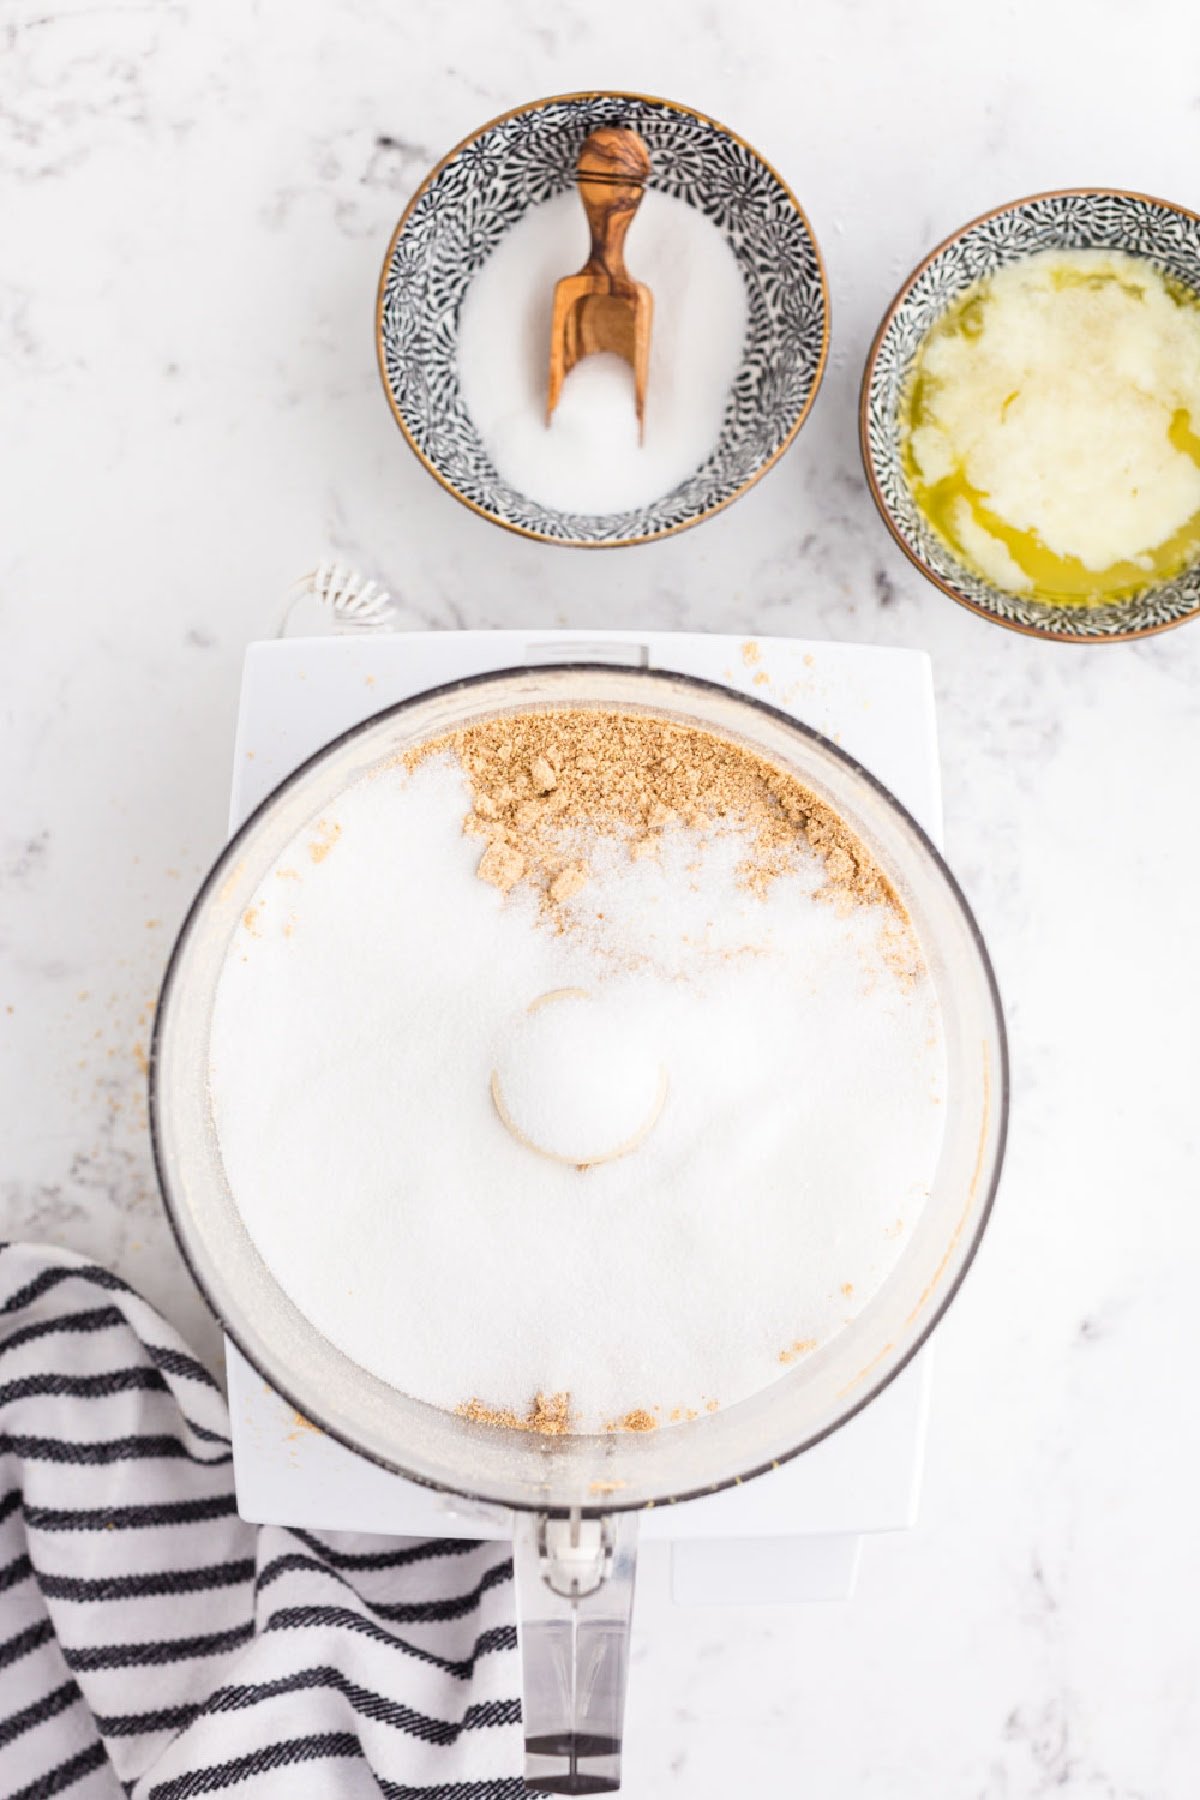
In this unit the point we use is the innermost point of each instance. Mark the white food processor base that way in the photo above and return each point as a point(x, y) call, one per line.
point(794, 1533)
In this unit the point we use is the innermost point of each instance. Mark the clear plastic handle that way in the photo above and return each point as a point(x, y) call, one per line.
point(574, 1609)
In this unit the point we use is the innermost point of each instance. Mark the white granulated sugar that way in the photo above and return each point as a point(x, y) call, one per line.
point(588, 459)
point(580, 1077)
point(369, 997)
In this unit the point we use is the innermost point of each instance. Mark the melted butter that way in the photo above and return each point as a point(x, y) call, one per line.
point(1050, 575)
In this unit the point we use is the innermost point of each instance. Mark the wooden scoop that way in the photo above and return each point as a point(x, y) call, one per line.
point(601, 308)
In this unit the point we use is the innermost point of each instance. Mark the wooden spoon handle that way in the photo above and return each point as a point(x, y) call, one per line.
point(611, 175)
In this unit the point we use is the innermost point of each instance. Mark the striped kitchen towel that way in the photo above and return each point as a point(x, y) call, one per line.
point(153, 1644)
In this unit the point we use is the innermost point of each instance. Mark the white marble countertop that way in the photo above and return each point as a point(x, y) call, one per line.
point(195, 204)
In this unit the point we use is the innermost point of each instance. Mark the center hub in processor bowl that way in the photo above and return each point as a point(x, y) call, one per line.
point(578, 1070)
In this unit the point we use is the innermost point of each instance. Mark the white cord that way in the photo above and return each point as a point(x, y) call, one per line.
point(354, 602)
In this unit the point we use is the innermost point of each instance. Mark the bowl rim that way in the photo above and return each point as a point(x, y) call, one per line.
point(1035, 631)
point(1000, 1076)
point(649, 537)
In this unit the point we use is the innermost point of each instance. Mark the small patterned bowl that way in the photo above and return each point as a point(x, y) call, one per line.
point(479, 192)
point(1075, 219)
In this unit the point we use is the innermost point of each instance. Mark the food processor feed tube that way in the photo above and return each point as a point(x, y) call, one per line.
point(574, 1608)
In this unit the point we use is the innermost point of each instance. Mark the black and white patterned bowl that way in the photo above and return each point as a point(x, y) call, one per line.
point(1074, 219)
point(479, 192)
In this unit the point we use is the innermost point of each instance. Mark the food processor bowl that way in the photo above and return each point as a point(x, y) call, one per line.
point(575, 1497)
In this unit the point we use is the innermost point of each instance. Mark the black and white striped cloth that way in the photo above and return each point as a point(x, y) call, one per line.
point(153, 1644)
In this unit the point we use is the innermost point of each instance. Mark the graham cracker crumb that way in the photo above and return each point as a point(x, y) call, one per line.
point(800, 1347)
point(629, 775)
point(639, 1419)
point(567, 883)
point(501, 865)
point(901, 953)
point(549, 1414)
point(605, 1487)
point(328, 833)
point(750, 652)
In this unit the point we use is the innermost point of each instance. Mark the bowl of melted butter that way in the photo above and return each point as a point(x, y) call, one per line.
point(1030, 416)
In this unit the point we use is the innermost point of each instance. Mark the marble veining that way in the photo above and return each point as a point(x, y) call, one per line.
point(196, 202)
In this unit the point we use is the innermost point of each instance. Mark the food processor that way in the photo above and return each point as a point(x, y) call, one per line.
point(574, 1503)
